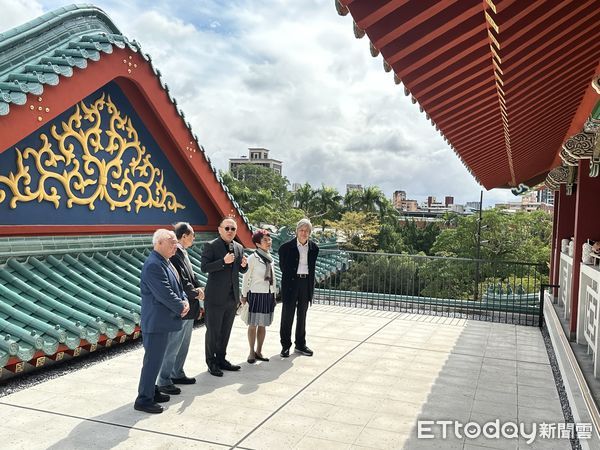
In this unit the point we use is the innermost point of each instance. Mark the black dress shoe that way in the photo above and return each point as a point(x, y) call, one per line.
point(215, 371)
point(152, 408)
point(170, 389)
point(260, 357)
point(304, 351)
point(161, 398)
point(226, 365)
point(183, 380)
point(285, 352)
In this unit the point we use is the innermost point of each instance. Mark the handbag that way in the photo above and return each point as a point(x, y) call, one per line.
point(244, 312)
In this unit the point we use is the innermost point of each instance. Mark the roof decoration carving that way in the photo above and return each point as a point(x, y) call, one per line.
point(596, 84)
point(556, 177)
point(520, 189)
point(59, 45)
point(562, 175)
point(585, 146)
point(568, 159)
point(85, 176)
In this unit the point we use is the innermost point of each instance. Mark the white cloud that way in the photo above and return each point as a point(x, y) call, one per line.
point(17, 12)
point(291, 77)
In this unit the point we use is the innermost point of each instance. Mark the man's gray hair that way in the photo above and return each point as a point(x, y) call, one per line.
point(162, 235)
point(304, 223)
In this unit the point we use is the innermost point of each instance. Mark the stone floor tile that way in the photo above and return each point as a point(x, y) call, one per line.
point(381, 439)
point(335, 431)
point(501, 410)
point(265, 438)
point(311, 443)
point(351, 394)
point(289, 422)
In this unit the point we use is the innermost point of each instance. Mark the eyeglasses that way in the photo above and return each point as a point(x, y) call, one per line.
point(229, 228)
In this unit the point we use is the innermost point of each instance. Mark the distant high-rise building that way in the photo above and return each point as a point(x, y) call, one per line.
point(430, 200)
point(398, 198)
point(256, 157)
point(354, 187)
point(409, 205)
point(473, 205)
point(545, 195)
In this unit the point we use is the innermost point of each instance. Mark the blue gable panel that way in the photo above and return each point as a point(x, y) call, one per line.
point(95, 164)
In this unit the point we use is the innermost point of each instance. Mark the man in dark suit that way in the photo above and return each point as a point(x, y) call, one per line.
point(297, 261)
point(223, 259)
point(163, 305)
point(171, 371)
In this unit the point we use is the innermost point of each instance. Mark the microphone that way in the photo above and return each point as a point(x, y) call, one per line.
point(230, 252)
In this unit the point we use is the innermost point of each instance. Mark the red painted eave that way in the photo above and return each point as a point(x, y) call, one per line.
point(506, 81)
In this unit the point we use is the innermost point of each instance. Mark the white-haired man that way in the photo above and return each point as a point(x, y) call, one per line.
point(297, 260)
point(164, 303)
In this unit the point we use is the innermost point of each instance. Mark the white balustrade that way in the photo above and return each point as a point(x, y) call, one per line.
point(588, 313)
point(565, 282)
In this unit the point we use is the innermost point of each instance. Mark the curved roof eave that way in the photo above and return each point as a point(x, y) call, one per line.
point(496, 60)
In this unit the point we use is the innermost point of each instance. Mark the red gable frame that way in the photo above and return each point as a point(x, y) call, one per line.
point(154, 106)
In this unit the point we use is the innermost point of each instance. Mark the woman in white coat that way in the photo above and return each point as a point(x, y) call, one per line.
point(258, 289)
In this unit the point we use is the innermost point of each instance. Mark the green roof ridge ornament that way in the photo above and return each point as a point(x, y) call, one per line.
point(47, 33)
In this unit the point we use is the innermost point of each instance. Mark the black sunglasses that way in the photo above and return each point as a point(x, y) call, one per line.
point(229, 228)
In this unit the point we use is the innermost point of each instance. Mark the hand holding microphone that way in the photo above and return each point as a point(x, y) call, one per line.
point(230, 256)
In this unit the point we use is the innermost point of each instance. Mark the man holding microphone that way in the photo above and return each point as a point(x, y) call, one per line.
point(223, 260)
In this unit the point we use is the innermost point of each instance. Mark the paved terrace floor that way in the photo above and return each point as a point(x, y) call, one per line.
point(374, 374)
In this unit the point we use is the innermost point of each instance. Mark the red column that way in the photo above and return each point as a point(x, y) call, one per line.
point(554, 244)
point(587, 226)
point(564, 223)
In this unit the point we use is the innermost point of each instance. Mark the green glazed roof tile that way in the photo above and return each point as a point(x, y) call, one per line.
point(69, 290)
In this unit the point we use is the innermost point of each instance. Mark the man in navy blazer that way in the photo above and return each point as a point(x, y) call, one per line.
point(164, 303)
point(223, 259)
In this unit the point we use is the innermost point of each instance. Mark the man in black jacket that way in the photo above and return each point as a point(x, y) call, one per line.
point(297, 260)
point(223, 259)
point(171, 371)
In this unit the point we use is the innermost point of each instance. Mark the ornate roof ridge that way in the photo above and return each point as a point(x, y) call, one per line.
point(50, 31)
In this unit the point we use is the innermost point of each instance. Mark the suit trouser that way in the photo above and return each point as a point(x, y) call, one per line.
point(175, 354)
point(155, 345)
point(219, 321)
point(297, 302)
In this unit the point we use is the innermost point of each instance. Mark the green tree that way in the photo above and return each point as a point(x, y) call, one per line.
point(360, 230)
point(327, 205)
point(521, 237)
point(391, 240)
point(419, 239)
point(394, 275)
point(304, 198)
point(262, 194)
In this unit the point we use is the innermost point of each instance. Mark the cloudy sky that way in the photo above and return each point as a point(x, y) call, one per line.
point(287, 75)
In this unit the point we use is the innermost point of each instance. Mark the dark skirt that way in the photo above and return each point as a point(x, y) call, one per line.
point(260, 309)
